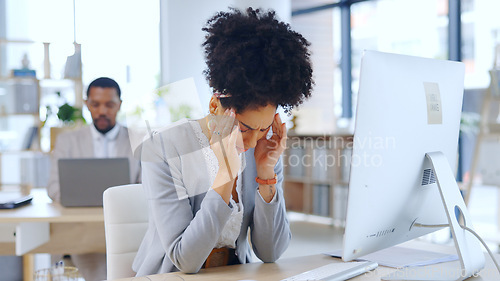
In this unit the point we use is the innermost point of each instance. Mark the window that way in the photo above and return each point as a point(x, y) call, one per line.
point(480, 35)
point(417, 28)
point(400, 26)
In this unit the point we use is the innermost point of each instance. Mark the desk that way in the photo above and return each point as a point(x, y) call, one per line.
point(291, 266)
point(46, 227)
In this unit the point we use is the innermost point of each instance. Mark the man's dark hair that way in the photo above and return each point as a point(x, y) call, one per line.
point(256, 60)
point(104, 82)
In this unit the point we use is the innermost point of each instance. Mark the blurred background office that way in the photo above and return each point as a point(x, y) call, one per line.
point(51, 49)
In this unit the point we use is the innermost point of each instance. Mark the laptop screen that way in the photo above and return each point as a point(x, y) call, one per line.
point(83, 180)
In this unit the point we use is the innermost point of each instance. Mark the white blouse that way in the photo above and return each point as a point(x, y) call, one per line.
point(232, 229)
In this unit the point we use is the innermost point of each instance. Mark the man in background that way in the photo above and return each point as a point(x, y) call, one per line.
point(104, 138)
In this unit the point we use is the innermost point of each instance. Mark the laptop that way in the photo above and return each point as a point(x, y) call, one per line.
point(13, 199)
point(83, 180)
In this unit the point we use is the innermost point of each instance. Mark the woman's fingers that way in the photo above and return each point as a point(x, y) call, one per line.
point(278, 126)
point(283, 136)
point(231, 158)
point(225, 133)
point(282, 126)
point(228, 122)
point(275, 125)
point(233, 138)
point(223, 126)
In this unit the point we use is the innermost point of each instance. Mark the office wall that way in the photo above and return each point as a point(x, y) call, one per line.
point(317, 114)
point(181, 36)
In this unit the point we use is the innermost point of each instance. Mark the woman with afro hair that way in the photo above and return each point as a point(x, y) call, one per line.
point(212, 181)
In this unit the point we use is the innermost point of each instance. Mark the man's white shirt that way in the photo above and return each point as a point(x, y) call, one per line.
point(105, 144)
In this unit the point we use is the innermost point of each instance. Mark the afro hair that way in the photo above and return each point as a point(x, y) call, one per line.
point(256, 60)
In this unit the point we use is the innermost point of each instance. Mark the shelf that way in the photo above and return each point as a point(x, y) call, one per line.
point(315, 175)
point(16, 78)
point(42, 80)
point(322, 182)
point(289, 178)
point(21, 151)
point(494, 128)
point(17, 41)
point(18, 114)
point(310, 181)
point(343, 183)
point(54, 81)
point(22, 100)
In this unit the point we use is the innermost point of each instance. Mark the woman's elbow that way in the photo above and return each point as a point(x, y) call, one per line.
point(269, 259)
point(189, 268)
point(268, 256)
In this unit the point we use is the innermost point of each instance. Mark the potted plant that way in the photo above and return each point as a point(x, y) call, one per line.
point(70, 117)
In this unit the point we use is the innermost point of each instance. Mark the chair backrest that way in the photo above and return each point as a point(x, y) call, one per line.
point(125, 220)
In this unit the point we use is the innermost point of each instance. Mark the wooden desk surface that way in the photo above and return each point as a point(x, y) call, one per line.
point(284, 268)
point(72, 230)
point(42, 209)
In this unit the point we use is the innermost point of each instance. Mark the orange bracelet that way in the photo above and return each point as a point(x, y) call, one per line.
point(268, 181)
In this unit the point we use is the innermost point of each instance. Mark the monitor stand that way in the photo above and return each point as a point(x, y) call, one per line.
point(470, 255)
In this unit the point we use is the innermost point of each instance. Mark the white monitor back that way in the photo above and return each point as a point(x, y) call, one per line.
point(407, 106)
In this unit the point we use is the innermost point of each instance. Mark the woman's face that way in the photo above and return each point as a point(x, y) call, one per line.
point(253, 125)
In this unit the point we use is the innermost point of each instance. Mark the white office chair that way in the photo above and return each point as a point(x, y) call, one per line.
point(125, 221)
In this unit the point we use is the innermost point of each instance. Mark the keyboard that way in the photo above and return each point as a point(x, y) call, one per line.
point(338, 271)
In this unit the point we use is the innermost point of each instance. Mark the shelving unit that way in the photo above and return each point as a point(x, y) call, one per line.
point(24, 131)
point(19, 113)
point(20, 125)
point(70, 91)
point(316, 172)
point(66, 78)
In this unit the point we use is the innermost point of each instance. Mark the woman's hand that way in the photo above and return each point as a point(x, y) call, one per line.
point(223, 143)
point(268, 151)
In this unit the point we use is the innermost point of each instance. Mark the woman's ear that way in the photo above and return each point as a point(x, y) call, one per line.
point(214, 106)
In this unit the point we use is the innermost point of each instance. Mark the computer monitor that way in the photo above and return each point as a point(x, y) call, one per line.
point(404, 152)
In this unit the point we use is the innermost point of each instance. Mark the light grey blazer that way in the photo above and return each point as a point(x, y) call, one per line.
point(186, 216)
point(79, 144)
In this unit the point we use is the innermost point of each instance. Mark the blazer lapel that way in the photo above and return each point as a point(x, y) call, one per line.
point(122, 143)
point(86, 143)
